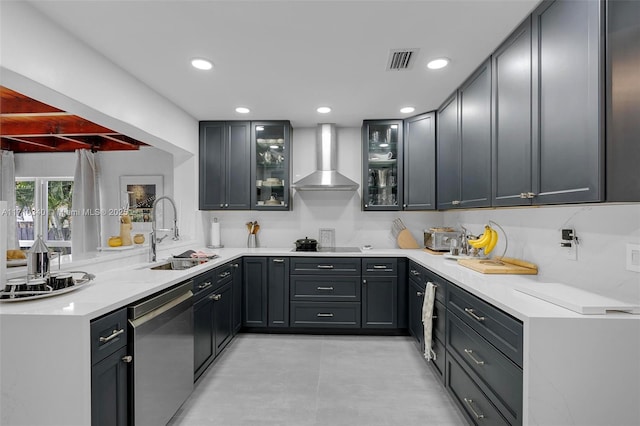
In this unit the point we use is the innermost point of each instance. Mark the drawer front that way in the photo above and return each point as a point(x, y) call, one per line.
point(439, 320)
point(313, 288)
point(202, 284)
point(330, 315)
point(223, 273)
point(500, 329)
point(417, 272)
point(380, 266)
point(499, 374)
point(422, 275)
point(472, 400)
point(108, 334)
point(325, 265)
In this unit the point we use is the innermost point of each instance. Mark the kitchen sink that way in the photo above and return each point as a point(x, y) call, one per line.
point(178, 264)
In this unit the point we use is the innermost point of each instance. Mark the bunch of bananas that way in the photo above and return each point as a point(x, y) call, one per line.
point(486, 241)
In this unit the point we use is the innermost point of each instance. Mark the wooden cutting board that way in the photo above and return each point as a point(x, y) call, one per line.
point(406, 241)
point(506, 265)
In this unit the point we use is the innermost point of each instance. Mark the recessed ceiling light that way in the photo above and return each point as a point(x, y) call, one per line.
point(407, 110)
point(201, 64)
point(438, 63)
point(243, 110)
point(323, 110)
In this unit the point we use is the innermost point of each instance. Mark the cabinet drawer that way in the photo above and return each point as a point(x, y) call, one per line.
point(325, 265)
point(422, 275)
point(108, 334)
point(472, 400)
point(502, 377)
point(311, 314)
point(379, 266)
point(202, 284)
point(417, 272)
point(314, 288)
point(223, 273)
point(500, 329)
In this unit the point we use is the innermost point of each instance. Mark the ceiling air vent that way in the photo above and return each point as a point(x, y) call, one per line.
point(401, 59)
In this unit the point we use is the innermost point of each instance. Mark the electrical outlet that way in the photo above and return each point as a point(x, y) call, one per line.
point(569, 244)
point(633, 257)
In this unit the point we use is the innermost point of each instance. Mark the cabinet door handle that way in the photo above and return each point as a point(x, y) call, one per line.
point(221, 205)
point(415, 273)
point(329, 315)
point(366, 206)
point(204, 285)
point(364, 281)
point(215, 297)
point(226, 205)
point(419, 294)
point(235, 265)
point(404, 206)
point(325, 288)
point(455, 202)
point(469, 353)
point(127, 359)
point(278, 260)
point(469, 403)
point(473, 314)
point(113, 335)
point(325, 266)
point(379, 266)
point(530, 195)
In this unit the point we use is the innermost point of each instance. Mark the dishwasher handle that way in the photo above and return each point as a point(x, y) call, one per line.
point(138, 322)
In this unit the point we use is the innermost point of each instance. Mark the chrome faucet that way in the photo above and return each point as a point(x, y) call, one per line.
point(154, 238)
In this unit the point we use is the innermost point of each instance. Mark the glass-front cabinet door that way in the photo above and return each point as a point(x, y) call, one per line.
point(271, 158)
point(382, 164)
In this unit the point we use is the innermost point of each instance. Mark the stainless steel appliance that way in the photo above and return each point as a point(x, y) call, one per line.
point(439, 239)
point(162, 337)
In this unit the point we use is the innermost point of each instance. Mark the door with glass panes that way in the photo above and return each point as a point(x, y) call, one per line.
point(270, 165)
point(382, 171)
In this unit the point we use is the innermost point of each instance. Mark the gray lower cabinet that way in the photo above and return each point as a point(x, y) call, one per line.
point(484, 359)
point(225, 165)
point(237, 295)
point(203, 338)
point(254, 292)
point(420, 162)
point(278, 292)
point(110, 370)
point(379, 293)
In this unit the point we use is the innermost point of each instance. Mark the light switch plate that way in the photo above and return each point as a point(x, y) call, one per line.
point(633, 257)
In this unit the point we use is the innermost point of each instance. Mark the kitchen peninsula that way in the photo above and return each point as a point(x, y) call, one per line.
point(46, 356)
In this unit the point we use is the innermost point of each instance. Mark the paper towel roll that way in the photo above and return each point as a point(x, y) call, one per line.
point(214, 235)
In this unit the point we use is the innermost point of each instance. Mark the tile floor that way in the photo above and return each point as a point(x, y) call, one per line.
point(305, 380)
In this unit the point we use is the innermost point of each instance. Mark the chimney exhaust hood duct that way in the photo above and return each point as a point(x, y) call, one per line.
point(326, 177)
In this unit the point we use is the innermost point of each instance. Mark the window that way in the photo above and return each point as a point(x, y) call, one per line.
point(43, 206)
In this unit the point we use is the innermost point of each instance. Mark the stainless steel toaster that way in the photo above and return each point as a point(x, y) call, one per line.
point(439, 239)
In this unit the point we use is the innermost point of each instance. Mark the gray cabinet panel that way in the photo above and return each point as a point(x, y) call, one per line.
point(237, 295)
point(278, 292)
point(379, 302)
point(254, 292)
point(448, 154)
point(623, 100)
point(238, 166)
point(474, 98)
point(109, 390)
point(416, 299)
point(511, 139)
point(203, 339)
point(212, 166)
point(420, 162)
point(325, 314)
point(567, 137)
point(325, 289)
point(222, 316)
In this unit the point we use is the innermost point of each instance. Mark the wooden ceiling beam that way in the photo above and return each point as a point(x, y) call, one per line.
point(31, 142)
point(14, 102)
point(121, 139)
point(70, 125)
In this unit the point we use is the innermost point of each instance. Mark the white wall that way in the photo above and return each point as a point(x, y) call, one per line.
point(312, 210)
point(534, 235)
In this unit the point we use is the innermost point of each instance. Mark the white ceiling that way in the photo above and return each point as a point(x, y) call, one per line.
point(283, 59)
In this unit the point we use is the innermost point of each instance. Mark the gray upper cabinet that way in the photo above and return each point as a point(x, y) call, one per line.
point(448, 154)
point(512, 104)
point(475, 138)
point(568, 121)
point(623, 100)
point(420, 162)
point(270, 159)
point(464, 144)
point(225, 165)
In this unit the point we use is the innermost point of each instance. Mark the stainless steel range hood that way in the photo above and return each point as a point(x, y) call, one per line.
point(326, 177)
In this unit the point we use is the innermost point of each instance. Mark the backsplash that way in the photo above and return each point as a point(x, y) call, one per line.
point(534, 235)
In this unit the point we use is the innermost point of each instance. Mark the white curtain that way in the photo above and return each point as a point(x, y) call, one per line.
point(86, 222)
point(8, 194)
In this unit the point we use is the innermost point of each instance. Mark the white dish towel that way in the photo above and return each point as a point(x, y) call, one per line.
point(427, 320)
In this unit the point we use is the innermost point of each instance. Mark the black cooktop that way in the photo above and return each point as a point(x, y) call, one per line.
point(333, 250)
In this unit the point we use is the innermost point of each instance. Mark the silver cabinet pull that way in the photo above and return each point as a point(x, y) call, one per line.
point(523, 195)
point(419, 293)
point(434, 317)
point(235, 265)
point(455, 202)
point(204, 285)
point(364, 281)
point(224, 274)
point(433, 284)
point(325, 288)
point(215, 297)
point(530, 195)
point(469, 403)
point(473, 314)
point(226, 205)
point(113, 335)
point(379, 266)
point(278, 260)
point(221, 205)
point(366, 206)
point(127, 359)
point(324, 315)
point(415, 273)
point(469, 353)
point(325, 266)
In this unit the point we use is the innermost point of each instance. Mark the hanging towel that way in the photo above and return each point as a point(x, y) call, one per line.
point(427, 320)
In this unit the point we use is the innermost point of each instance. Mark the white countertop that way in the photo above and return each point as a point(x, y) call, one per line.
point(123, 283)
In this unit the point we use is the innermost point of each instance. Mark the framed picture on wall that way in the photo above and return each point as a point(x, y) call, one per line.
point(137, 194)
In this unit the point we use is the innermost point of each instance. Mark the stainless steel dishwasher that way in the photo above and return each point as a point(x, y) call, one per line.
point(162, 337)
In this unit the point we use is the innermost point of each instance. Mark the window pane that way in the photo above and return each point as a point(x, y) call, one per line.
point(25, 211)
point(59, 205)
